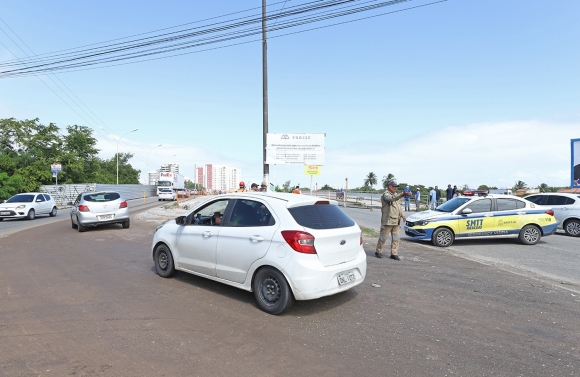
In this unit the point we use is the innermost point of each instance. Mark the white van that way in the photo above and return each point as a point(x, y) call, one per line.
point(501, 191)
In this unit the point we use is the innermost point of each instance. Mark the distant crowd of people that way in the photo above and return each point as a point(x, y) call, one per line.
point(433, 199)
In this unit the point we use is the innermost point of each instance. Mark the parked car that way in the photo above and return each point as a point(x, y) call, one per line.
point(97, 208)
point(281, 247)
point(166, 194)
point(488, 216)
point(566, 209)
point(28, 205)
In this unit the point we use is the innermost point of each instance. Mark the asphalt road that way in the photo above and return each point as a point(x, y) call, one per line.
point(555, 258)
point(91, 304)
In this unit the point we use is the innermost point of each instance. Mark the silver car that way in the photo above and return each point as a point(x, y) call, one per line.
point(98, 208)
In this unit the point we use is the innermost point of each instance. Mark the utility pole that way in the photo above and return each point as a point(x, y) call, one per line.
point(265, 89)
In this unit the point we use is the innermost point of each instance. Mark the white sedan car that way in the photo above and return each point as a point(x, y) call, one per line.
point(281, 247)
point(28, 205)
point(166, 194)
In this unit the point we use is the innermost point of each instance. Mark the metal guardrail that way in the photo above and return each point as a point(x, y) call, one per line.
point(64, 194)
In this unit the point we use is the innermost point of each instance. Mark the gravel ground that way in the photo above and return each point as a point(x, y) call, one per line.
point(167, 211)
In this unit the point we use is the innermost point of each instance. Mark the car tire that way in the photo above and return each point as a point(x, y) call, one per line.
point(31, 215)
point(572, 227)
point(80, 227)
point(158, 200)
point(530, 235)
point(271, 290)
point(72, 223)
point(1, 219)
point(126, 224)
point(164, 261)
point(442, 237)
point(52, 212)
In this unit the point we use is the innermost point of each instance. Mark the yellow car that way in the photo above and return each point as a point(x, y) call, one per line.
point(491, 216)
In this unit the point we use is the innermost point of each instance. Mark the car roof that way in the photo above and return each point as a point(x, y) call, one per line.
point(291, 199)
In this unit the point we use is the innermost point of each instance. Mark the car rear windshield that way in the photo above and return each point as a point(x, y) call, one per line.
point(102, 197)
point(22, 198)
point(321, 216)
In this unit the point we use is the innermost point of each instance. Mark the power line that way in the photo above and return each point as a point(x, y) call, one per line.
point(217, 33)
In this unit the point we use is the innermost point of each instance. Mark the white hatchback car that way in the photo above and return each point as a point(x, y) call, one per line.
point(27, 205)
point(566, 209)
point(280, 246)
point(166, 194)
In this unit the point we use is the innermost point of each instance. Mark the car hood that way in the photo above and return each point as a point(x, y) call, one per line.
point(12, 205)
point(426, 215)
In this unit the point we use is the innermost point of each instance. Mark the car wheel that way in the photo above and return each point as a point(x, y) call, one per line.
point(443, 237)
point(81, 228)
point(530, 235)
point(158, 200)
point(164, 262)
point(31, 215)
point(572, 228)
point(271, 290)
point(53, 212)
point(72, 223)
point(126, 224)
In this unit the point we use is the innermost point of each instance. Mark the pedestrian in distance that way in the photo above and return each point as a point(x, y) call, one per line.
point(391, 215)
point(437, 196)
point(449, 192)
point(254, 187)
point(417, 199)
point(432, 198)
point(242, 187)
point(407, 199)
point(263, 187)
point(296, 190)
point(457, 193)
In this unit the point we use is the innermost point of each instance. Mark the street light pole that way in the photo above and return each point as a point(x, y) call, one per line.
point(264, 91)
point(118, 152)
point(148, 162)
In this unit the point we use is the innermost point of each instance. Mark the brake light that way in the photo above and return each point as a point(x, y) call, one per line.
point(361, 237)
point(301, 242)
point(123, 205)
point(550, 212)
point(322, 202)
point(84, 208)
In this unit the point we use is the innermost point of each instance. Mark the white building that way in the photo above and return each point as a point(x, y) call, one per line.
point(218, 177)
point(170, 168)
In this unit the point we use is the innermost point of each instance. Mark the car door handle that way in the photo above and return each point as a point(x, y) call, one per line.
point(256, 238)
point(206, 234)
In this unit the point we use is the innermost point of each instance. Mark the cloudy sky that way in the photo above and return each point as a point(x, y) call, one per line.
point(462, 92)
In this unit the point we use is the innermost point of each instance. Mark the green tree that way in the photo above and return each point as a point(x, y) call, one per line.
point(79, 159)
point(386, 179)
point(519, 185)
point(286, 186)
point(370, 180)
point(9, 185)
point(483, 187)
point(326, 187)
point(543, 187)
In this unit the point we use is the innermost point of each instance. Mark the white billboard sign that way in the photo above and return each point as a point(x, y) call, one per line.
point(298, 149)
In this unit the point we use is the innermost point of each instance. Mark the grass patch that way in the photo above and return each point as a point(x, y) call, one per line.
point(369, 232)
point(169, 206)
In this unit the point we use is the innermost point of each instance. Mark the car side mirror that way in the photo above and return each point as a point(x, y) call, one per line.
point(467, 211)
point(180, 220)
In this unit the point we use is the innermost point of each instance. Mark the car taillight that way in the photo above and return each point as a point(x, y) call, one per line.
point(301, 242)
point(361, 237)
point(322, 202)
point(123, 205)
point(550, 212)
point(84, 208)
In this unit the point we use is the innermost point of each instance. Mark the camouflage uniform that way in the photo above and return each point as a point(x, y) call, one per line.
point(392, 213)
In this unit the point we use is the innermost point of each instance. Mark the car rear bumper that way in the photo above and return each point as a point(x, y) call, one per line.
point(311, 280)
point(91, 219)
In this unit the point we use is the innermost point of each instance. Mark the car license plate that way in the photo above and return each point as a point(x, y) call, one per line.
point(105, 217)
point(346, 277)
point(4, 213)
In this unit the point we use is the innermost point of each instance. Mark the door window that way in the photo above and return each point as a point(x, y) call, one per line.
point(210, 214)
point(509, 204)
point(536, 199)
point(556, 200)
point(40, 198)
point(478, 206)
point(250, 213)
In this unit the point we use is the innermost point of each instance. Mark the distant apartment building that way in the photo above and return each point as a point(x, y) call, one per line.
point(170, 168)
point(218, 177)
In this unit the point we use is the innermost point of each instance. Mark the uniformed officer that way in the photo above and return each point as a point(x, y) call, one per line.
point(391, 215)
point(242, 187)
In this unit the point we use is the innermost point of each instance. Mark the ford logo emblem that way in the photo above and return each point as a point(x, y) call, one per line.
point(342, 242)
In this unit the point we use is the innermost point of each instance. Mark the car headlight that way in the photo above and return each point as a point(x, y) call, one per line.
point(422, 222)
point(22, 206)
point(159, 227)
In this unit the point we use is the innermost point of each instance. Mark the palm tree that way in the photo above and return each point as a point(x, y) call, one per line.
point(520, 185)
point(386, 179)
point(371, 180)
point(543, 187)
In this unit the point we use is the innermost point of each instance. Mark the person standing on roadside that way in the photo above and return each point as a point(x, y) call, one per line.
point(449, 193)
point(242, 187)
point(432, 198)
point(263, 187)
point(437, 196)
point(391, 215)
point(417, 200)
point(407, 198)
point(296, 190)
point(254, 187)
